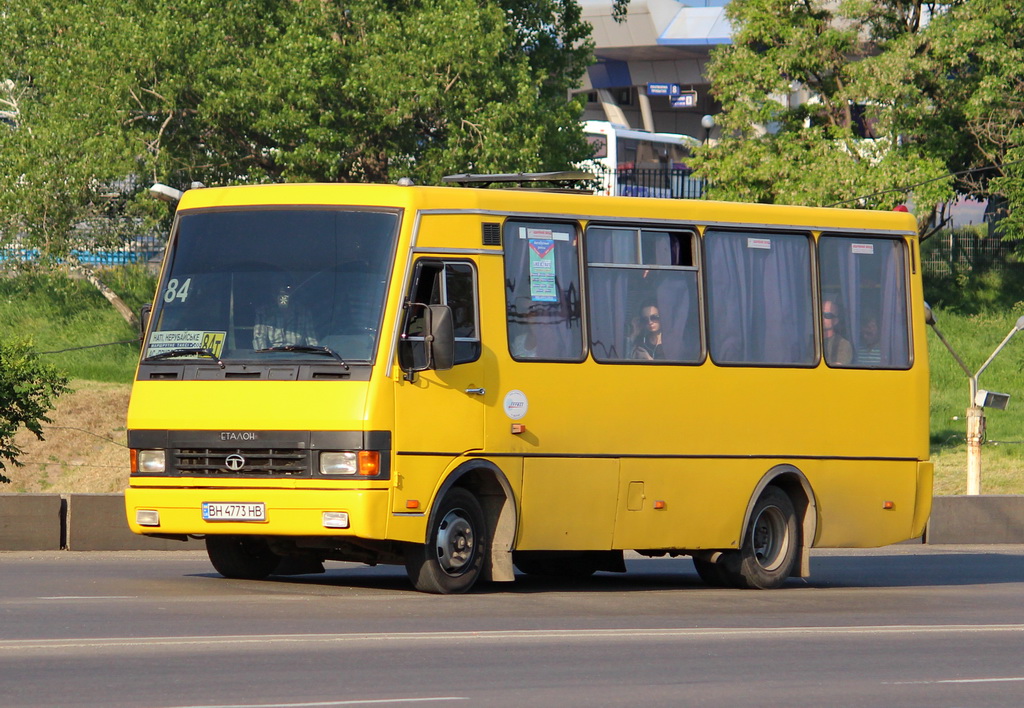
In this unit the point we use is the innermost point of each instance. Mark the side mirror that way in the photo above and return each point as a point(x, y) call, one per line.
point(428, 339)
point(929, 316)
point(144, 313)
point(441, 339)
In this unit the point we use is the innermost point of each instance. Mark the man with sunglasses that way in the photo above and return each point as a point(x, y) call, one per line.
point(838, 351)
point(647, 343)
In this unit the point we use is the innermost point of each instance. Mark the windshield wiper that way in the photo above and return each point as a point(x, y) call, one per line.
point(307, 349)
point(187, 351)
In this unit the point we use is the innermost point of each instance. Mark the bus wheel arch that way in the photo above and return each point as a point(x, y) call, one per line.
point(795, 485)
point(491, 489)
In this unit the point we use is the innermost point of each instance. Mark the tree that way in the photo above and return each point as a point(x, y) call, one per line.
point(901, 92)
point(28, 389)
point(111, 96)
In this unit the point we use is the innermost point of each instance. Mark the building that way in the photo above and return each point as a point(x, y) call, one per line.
point(665, 42)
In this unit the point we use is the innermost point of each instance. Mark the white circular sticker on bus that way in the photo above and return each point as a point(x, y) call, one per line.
point(515, 404)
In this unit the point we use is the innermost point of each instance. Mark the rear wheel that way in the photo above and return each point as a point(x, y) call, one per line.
point(241, 557)
point(713, 573)
point(453, 558)
point(770, 545)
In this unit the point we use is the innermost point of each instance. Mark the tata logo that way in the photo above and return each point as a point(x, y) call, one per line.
point(234, 462)
point(233, 437)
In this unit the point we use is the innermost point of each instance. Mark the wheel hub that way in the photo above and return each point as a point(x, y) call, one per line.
point(454, 542)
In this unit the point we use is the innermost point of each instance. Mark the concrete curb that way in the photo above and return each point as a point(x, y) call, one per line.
point(32, 522)
point(96, 522)
point(976, 519)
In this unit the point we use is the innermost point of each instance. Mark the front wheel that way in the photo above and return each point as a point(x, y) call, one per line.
point(241, 557)
point(770, 546)
point(453, 558)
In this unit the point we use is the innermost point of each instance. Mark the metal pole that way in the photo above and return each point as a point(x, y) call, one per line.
point(975, 435)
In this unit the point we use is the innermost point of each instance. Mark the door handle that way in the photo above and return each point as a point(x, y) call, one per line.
point(477, 391)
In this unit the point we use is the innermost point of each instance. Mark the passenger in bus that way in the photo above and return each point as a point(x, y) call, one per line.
point(647, 342)
point(282, 323)
point(838, 351)
point(524, 344)
point(869, 351)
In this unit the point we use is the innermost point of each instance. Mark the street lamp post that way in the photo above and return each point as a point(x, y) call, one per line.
point(979, 400)
point(708, 123)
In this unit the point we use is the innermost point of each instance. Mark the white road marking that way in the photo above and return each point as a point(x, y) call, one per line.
point(538, 635)
point(357, 702)
point(1009, 679)
point(89, 597)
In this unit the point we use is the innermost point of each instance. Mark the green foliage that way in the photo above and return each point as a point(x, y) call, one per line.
point(247, 91)
point(28, 389)
point(940, 96)
point(64, 313)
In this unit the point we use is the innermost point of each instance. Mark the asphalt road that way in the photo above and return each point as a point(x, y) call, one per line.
point(907, 625)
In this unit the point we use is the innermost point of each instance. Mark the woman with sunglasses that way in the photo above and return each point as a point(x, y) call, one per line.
point(838, 351)
point(647, 342)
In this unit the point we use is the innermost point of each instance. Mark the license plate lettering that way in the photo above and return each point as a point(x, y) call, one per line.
point(234, 511)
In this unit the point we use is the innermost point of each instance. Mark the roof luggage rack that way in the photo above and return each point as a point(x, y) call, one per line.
point(566, 176)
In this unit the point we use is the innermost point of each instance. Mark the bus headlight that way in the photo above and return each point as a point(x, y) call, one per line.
point(365, 463)
point(150, 462)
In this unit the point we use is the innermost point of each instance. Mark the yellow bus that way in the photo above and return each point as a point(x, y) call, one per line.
point(467, 381)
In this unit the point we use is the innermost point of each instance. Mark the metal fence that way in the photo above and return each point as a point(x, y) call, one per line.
point(674, 183)
point(963, 251)
point(144, 249)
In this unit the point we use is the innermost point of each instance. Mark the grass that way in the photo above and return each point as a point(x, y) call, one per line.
point(60, 313)
point(84, 449)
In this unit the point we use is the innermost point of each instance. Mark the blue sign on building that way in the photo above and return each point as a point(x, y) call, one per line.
point(663, 89)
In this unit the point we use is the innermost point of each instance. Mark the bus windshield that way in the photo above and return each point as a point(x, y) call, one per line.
point(301, 283)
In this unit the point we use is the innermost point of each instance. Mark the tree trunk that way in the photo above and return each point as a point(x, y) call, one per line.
point(112, 297)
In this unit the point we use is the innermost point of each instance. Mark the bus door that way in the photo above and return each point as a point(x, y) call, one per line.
point(439, 413)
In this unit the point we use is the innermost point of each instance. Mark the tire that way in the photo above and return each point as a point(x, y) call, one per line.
point(712, 573)
point(453, 558)
point(770, 544)
point(241, 557)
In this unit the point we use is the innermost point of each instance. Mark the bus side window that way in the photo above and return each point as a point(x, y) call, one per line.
point(867, 279)
point(542, 291)
point(643, 295)
point(760, 305)
point(438, 282)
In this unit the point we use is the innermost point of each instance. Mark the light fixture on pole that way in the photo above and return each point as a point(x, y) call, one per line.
point(708, 123)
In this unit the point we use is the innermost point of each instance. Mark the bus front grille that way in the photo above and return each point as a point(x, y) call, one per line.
point(242, 463)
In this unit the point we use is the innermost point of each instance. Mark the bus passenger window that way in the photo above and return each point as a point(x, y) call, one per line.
point(542, 291)
point(866, 280)
point(760, 304)
point(643, 295)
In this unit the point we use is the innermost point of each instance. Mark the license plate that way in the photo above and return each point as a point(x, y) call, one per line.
point(234, 511)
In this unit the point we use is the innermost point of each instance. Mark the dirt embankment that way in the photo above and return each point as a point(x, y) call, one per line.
point(84, 448)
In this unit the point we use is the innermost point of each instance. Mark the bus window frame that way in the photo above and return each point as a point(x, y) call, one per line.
point(696, 255)
point(907, 252)
point(577, 230)
point(417, 266)
point(813, 278)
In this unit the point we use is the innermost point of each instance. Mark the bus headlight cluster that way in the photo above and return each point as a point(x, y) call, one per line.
point(149, 461)
point(364, 463)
